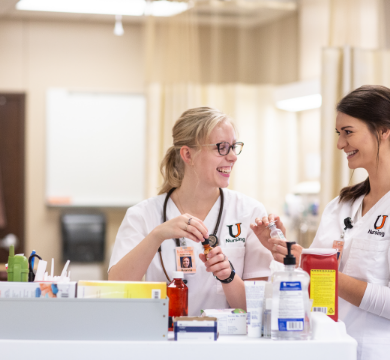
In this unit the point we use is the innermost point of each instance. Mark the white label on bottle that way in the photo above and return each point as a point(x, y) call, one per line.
point(291, 313)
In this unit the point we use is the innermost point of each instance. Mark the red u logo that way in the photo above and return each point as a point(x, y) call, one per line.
point(383, 222)
point(231, 230)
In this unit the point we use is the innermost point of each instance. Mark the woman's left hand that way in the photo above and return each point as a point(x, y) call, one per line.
point(217, 263)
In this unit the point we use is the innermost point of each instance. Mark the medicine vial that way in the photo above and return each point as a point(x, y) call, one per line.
point(177, 293)
point(275, 232)
point(290, 316)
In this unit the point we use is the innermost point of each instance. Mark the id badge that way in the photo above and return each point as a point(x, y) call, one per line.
point(185, 260)
point(339, 246)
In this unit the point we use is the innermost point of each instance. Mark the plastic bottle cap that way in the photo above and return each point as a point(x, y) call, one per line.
point(319, 251)
point(271, 223)
point(178, 275)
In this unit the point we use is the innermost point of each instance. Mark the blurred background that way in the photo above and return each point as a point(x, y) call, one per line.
point(90, 90)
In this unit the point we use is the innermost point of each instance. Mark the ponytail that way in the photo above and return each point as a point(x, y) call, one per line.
point(353, 192)
point(172, 170)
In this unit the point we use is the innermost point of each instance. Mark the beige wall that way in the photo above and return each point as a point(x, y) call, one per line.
point(36, 55)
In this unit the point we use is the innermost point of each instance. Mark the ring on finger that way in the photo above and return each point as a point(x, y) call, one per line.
point(186, 227)
point(189, 221)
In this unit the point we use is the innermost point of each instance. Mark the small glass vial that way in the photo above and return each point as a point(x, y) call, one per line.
point(177, 293)
point(275, 232)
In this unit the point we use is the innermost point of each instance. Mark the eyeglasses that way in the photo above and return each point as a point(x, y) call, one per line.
point(224, 147)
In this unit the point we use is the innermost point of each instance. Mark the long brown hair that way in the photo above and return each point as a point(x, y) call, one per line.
point(370, 104)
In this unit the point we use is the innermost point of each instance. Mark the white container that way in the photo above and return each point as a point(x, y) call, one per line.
point(290, 317)
point(254, 292)
point(229, 323)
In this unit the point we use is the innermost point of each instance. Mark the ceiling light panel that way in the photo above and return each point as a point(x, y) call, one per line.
point(104, 7)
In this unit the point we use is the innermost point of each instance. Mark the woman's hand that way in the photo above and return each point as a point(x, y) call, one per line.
point(217, 263)
point(184, 225)
point(277, 247)
point(260, 228)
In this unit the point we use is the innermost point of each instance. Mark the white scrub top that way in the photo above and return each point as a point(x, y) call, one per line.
point(365, 257)
point(238, 242)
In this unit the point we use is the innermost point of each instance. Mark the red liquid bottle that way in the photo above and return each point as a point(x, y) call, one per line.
point(322, 266)
point(178, 297)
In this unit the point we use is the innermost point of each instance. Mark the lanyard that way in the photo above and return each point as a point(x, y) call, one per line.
point(213, 239)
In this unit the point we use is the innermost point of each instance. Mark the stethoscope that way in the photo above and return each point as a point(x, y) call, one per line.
point(213, 238)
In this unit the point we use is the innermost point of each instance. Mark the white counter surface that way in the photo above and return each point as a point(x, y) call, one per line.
point(330, 342)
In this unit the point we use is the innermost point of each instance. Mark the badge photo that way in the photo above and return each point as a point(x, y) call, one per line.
point(185, 260)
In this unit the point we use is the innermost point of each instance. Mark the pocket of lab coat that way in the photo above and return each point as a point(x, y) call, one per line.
point(368, 261)
point(236, 255)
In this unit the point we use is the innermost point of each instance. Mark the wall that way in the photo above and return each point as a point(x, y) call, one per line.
point(36, 55)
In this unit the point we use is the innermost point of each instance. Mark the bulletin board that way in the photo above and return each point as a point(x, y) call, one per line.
point(95, 148)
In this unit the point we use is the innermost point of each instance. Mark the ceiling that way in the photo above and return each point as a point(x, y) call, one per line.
point(229, 12)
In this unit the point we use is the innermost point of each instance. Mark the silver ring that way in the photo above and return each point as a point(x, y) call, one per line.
point(224, 257)
point(186, 228)
point(189, 221)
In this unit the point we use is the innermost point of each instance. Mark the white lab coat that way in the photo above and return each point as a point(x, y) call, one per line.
point(238, 242)
point(365, 257)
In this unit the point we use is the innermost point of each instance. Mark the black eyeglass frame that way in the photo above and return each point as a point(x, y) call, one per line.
point(230, 147)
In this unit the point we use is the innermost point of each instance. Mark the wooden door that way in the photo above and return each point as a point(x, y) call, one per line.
point(12, 181)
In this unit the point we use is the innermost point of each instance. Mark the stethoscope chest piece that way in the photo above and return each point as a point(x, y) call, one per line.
point(213, 240)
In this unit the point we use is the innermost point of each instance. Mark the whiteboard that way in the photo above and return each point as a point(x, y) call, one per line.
point(95, 148)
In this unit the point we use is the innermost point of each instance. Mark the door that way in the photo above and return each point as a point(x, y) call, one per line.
point(12, 182)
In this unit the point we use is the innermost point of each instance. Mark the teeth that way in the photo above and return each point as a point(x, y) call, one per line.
point(351, 152)
point(224, 170)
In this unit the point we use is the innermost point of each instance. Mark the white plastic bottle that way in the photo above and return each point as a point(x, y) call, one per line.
point(290, 317)
point(275, 232)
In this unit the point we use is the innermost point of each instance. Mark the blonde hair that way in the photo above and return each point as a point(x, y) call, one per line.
point(191, 129)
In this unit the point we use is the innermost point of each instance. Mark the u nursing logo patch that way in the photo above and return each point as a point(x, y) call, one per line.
point(383, 222)
point(235, 236)
point(379, 225)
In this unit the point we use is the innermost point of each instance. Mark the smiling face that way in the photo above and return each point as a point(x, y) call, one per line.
point(211, 168)
point(186, 263)
point(357, 141)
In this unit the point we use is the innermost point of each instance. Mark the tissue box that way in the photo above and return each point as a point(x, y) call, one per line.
point(230, 321)
point(122, 289)
point(195, 328)
point(41, 289)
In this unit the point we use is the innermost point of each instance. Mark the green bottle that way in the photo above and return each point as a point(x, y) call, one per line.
point(17, 266)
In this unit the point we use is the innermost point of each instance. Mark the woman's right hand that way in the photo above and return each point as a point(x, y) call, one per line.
point(278, 249)
point(178, 227)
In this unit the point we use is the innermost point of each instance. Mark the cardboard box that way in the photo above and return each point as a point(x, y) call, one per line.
point(230, 321)
point(39, 289)
point(195, 328)
point(122, 289)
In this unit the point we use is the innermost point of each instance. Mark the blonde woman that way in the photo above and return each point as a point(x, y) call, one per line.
point(194, 205)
